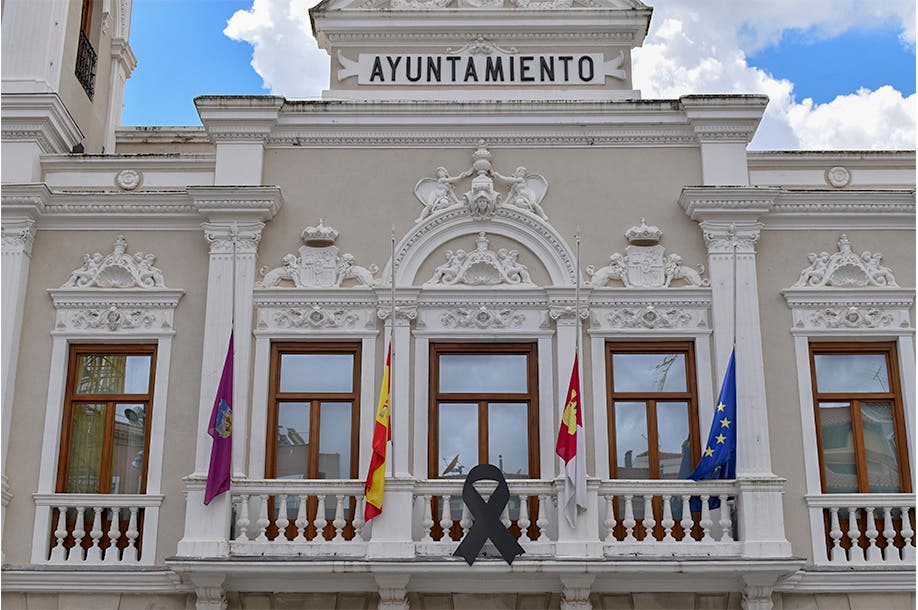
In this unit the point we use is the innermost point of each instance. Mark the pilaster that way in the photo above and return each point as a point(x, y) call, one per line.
point(234, 218)
point(123, 63)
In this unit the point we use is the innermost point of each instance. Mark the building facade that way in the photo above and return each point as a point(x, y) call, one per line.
point(476, 136)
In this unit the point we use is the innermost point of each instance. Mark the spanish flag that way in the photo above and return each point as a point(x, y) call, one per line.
point(571, 448)
point(382, 434)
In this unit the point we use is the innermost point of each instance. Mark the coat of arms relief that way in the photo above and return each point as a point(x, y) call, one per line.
point(645, 263)
point(319, 265)
point(525, 191)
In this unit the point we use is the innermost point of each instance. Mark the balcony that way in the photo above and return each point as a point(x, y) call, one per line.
point(86, 65)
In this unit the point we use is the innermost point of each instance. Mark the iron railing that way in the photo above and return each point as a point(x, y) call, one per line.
point(86, 65)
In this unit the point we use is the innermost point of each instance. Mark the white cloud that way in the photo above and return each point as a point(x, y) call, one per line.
point(694, 46)
point(285, 53)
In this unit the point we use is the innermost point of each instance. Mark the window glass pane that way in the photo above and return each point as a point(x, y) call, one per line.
point(335, 440)
point(458, 439)
point(483, 373)
point(317, 373)
point(508, 438)
point(87, 438)
point(675, 449)
point(880, 447)
point(127, 448)
point(292, 440)
point(631, 440)
point(838, 447)
point(851, 373)
point(648, 372)
point(112, 374)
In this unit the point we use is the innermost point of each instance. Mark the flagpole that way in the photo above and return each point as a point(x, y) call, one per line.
point(235, 236)
point(392, 355)
point(735, 312)
point(577, 299)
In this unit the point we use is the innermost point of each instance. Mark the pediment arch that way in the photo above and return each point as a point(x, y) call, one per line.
point(523, 227)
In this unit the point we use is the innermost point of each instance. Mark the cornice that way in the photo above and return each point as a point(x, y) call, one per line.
point(724, 118)
point(161, 135)
point(20, 202)
point(165, 298)
point(847, 580)
point(726, 204)
point(242, 118)
point(221, 204)
point(124, 54)
point(825, 297)
point(146, 162)
point(56, 579)
point(847, 209)
point(39, 117)
point(821, 159)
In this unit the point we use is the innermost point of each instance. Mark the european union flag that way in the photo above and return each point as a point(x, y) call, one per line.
point(718, 457)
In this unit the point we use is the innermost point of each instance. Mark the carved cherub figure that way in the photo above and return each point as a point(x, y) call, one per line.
point(877, 273)
point(675, 270)
point(84, 276)
point(287, 271)
point(437, 194)
point(815, 273)
point(448, 271)
point(348, 270)
point(526, 191)
point(150, 276)
point(515, 271)
point(617, 269)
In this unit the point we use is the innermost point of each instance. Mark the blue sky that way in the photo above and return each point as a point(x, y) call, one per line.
point(828, 61)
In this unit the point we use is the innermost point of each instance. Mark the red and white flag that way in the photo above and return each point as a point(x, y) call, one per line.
point(571, 449)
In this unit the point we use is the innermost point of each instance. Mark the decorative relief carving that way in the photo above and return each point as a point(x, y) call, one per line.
point(851, 317)
point(481, 267)
point(654, 317)
point(224, 238)
point(117, 270)
point(114, 319)
point(18, 237)
point(481, 46)
point(526, 191)
point(130, 310)
point(318, 264)
point(482, 317)
point(128, 179)
point(847, 310)
point(314, 317)
point(644, 265)
point(838, 176)
point(845, 269)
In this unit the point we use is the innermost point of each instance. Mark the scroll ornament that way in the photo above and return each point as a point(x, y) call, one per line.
point(845, 269)
point(481, 267)
point(117, 270)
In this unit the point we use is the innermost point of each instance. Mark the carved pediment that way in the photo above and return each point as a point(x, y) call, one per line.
point(481, 267)
point(845, 269)
point(117, 270)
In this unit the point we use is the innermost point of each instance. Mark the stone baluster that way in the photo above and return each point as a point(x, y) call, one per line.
point(339, 521)
point(130, 551)
point(667, 522)
point(505, 515)
point(629, 522)
point(706, 521)
point(427, 518)
point(855, 553)
point(542, 519)
point(891, 554)
point(873, 551)
point(282, 519)
point(648, 522)
point(523, 522)
point(242, 519)
point(320, 521)
point(726, 521)
point(262, 523)
point(446, 518)
point(686, 521)
point(835, 533)
point(76, 553)
point(608, 521)
point(94, 553)
point(359, 521)
point(114, 532)
point(59, 552)
point(301, 519)
point(466, 521)
point(908, 550)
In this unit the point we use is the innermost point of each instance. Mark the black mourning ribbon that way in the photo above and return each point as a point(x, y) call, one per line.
point(487, 516)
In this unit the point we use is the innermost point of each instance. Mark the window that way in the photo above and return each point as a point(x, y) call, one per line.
point(86, 54)
point(484, 409)
point(859, 420)
point(653, 413)
point(313, 411)
point(106, 425)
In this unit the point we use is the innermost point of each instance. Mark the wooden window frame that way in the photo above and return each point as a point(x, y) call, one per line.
point(531, 397)
point(110, 400)
point(690, 395)
point(86, 18)
point(275, 396)
point(894, 397)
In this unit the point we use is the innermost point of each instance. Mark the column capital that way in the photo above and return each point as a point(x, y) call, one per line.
point(18, 236)
point(722, 210)
point(220, 236)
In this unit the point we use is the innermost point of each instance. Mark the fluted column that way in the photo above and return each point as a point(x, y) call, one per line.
point(729, 216)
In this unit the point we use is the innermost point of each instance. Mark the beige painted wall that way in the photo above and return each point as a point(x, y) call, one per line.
point(182, 255)
point(781, 257)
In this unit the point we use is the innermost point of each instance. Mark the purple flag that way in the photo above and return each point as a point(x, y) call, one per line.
point(221, 429)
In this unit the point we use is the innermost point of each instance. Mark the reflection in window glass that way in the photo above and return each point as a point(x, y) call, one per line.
point(648, 372)
point(851, 373)
point(86, 441)
point(292, 440)
point(838, 447)
point(127, 449)
point(317, 373)
point(880, 447)
point(335, 440)
point(483, 373)
point(631, 440)
point(112, 374)
point(508, 439)
point(675, 450)
point(458, 439)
